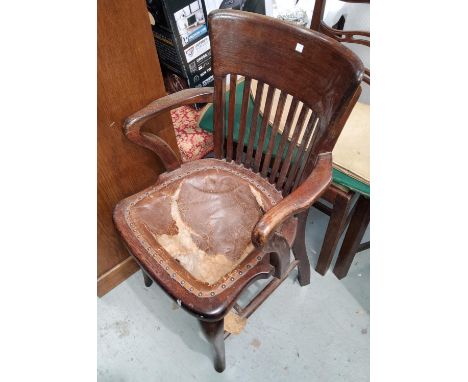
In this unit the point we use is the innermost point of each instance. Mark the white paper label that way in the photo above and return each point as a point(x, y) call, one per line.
point(197, 49)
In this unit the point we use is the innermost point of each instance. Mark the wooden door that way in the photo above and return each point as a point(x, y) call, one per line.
point(129, 77)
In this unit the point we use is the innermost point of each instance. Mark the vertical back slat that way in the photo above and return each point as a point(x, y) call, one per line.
point(243, 119)
point(231, 116)
point(301, 169)
point(307, 156)
point(284, 138)
point(219, 115)
point(254, 123)
point(300, 152)
point(264, 128)
point(274, 131)
point(292, 145)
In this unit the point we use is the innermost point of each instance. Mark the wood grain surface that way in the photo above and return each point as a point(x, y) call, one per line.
point(129, 77)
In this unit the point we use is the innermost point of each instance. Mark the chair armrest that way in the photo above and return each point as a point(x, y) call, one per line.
point(133, 124)
point(299, 200)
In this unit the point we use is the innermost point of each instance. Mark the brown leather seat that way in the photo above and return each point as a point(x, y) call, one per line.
point(195, 223)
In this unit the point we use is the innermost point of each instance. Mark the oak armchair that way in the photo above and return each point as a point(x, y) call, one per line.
point(209, 228)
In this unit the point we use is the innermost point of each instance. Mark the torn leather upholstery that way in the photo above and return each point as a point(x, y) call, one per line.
point(201, 217)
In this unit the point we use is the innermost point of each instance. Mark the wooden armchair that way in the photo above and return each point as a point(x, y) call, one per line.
point(209, 228)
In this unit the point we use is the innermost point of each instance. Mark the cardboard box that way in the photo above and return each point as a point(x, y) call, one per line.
point(181, 35)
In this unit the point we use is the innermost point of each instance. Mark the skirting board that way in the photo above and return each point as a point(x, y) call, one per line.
point(116, 275)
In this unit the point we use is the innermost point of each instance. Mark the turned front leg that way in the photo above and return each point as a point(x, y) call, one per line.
point(214, 332)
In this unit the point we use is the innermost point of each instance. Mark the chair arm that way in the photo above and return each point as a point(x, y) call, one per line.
point(299, 200)
point(133, 124)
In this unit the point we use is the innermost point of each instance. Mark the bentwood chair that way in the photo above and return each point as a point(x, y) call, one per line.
point(346, 181)
point(209, 228)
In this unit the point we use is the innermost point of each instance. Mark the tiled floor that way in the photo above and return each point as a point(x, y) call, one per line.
point(314, 333)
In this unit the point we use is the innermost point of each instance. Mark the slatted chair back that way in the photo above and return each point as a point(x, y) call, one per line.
point(321, 75)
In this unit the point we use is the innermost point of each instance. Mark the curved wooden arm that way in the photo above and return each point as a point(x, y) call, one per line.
point(133, 124)
point(299, 200)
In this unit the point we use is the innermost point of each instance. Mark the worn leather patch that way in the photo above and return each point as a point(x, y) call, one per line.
point(221, 212)
point(202, 216)
point(211, 218)
point(156, 215)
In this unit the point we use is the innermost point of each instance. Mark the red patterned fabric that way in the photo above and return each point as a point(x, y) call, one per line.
point(194, 143)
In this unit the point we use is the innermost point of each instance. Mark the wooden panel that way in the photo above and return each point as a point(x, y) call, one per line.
point(129, 77)
point(116, 275)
